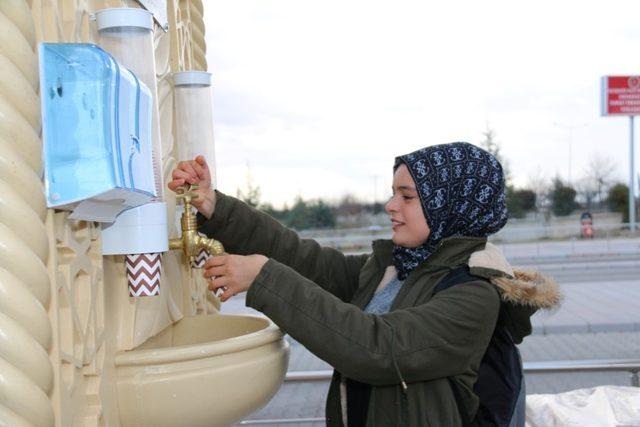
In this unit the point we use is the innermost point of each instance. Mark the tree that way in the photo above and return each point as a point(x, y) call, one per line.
point(251, 194)
point(297, 217)
point(376, 207)
point(315, 214)
point(599, 173)
point(541, 186)
point(587, 192)
point(618, 200)
point(519, 202)
point(490, 144)
point(348, 205)
point(563, 198)
point(321, 215)
point(278, 214)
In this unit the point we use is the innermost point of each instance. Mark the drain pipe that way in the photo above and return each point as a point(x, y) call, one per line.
point(139, 233)
point(194, 127)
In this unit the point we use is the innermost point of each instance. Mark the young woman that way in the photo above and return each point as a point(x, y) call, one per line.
point(406, 350)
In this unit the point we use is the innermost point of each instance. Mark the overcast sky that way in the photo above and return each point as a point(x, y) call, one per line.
point(318, 97)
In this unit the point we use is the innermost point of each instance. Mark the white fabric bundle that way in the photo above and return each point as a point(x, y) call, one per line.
point(599, 406)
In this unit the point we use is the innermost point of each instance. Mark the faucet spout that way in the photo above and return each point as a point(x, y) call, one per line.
point(191, 243)
point(175, 244)
point(212, 246)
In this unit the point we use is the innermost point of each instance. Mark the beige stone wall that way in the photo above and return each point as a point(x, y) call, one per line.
point(26, 374)
point(64, 308)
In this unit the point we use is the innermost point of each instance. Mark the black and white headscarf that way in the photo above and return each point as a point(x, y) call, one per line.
point(462, 191)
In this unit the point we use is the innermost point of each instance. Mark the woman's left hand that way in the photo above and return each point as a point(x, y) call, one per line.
point(232, 273)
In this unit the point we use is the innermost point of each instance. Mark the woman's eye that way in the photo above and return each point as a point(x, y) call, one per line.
point(408, 197)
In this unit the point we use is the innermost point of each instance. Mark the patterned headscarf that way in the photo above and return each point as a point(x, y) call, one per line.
point(462, 192)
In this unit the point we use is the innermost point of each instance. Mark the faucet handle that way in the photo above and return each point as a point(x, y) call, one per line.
point(187, 194)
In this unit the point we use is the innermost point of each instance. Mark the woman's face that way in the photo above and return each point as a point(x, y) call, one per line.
point(410, 228)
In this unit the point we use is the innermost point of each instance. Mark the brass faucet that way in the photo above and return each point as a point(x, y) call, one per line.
point(191, 242)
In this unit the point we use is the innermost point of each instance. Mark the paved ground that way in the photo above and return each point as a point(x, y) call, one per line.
point(599, 319)
point(578, 346)
point(568, 249)
point(599, 296)
point(594, 307)
point(306, 400)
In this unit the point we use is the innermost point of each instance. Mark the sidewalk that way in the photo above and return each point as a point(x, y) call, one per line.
point(593, 307)
point(600, 281)
point(306, 400)
point(599, 318)
point(586, 307)
point(571, 249)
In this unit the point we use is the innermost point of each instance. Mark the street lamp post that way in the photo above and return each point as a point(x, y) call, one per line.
point(620, 96)
point(570, 128)
point(632, 185)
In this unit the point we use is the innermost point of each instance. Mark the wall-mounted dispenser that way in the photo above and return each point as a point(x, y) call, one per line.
point(194, 117)
point(139, 233)
point(96, 132)
point(194, 126)
point(127, 34)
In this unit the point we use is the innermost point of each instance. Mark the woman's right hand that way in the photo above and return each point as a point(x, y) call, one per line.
point(197, 172)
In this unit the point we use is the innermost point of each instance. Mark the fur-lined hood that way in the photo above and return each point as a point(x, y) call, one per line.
point(518, 287)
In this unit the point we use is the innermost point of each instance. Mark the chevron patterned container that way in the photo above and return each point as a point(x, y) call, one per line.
point(143, 274)
point(198, 261)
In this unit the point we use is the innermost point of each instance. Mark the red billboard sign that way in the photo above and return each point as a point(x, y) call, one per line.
point(621, 95)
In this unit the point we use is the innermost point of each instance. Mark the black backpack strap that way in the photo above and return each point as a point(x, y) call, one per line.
point(499, 379)
point(455, 277)
point(466, 422)
point(500, 374)
point(358, 396)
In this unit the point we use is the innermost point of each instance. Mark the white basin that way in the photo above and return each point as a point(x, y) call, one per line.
point(208, 371)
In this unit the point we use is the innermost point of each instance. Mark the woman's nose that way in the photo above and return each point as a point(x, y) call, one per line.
point(390, 205)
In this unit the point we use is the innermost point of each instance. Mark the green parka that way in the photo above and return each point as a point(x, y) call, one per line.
point(317, 295)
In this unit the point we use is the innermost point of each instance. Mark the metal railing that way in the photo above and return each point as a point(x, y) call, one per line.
point(632, 366)
point(357, 240)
